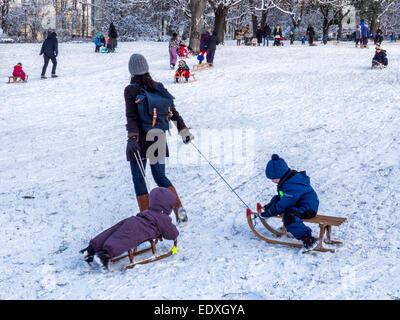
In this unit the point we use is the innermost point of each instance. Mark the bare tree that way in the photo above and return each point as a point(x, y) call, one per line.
point(220, 8)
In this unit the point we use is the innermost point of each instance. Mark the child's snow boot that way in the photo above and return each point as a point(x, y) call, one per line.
point(102, 258)
point(309, 242)
point(43, 77)
point(54, 76)
point(89, 254)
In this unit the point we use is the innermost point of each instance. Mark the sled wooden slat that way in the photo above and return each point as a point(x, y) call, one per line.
point(17, 79)
point(132, 253)
point(334, 221)
point(202, 66)
point(182, 79)
point(325, 235)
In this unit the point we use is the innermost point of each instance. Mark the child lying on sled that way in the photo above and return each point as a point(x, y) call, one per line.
point(129, 233)
point(296, 200)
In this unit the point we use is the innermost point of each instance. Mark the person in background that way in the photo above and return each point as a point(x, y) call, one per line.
point(292, 34)
point(97, 42)
point(358, 35)
point(239, 36)
point(277, 35)
point(112, 35)
point(173, 50)
point(212, 47)
point(311, 34)
point(49, 51)
point(259, 35)
point(266, 34)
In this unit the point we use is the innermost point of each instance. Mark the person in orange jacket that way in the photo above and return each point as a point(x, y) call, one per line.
point(18, 72)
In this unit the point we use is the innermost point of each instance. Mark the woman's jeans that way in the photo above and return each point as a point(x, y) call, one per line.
point(157, 171)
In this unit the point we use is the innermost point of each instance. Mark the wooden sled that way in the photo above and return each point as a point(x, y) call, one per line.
point(133, 253)
point(181, 79)
point(202, 66)
point(325, 225)
point(16, 79)
point(380, 66)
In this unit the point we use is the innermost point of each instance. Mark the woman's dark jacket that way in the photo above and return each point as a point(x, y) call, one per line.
point(133, 125)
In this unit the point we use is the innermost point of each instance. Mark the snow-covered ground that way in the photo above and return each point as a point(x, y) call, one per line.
point(62, 142)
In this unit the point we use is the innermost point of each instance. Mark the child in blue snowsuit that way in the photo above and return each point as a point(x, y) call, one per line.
point(296, 200)
point(97, 42)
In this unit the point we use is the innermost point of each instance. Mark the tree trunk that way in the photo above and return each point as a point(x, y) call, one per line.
point(340, 28)
point(263, 18)
point(4, 7)
point(197, 8)
point(373, 25)
point(219, 22)
point(254, 18)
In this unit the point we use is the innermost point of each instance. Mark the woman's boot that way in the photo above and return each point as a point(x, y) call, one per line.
point(180, 212)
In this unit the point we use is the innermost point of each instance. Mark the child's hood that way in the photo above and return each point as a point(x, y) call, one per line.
point(300, 178)
point(162, 200)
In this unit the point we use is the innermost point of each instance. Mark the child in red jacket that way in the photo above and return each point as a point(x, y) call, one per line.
point(182, 71)
point(18, 72)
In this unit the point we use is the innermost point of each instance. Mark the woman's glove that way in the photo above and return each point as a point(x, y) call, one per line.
point(186, 135)
point(132, 148)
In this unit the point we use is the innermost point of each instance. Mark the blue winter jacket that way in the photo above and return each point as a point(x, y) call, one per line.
point(97, 40)
point(365, 31)
point(296, 193)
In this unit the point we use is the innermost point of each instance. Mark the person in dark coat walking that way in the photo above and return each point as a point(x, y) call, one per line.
point(259, 35)
point(148, 145)
point(311, 34)
point(50, 52)
point(131, 232)
point(113, 35)
point(379, 36)
point(266, 34)
point(296, 199)
point(212, 46)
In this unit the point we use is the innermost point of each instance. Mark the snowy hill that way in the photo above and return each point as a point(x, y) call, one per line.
point(62, 142)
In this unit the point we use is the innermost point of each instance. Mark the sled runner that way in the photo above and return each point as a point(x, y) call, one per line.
point(16, 79)
point(133, 253)
point(182, 79)
point(378, 66)
point(202, 66)
point(325, 225)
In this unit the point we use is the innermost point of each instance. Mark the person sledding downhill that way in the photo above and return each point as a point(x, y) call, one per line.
point(183, 71)
point(380, 60)
point(296, 200)
point(131, 232)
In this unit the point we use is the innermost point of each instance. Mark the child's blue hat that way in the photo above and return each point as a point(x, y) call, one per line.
point(276, 167)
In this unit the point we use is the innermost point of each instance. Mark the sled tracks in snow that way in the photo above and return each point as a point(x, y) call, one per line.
point(325, 224)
